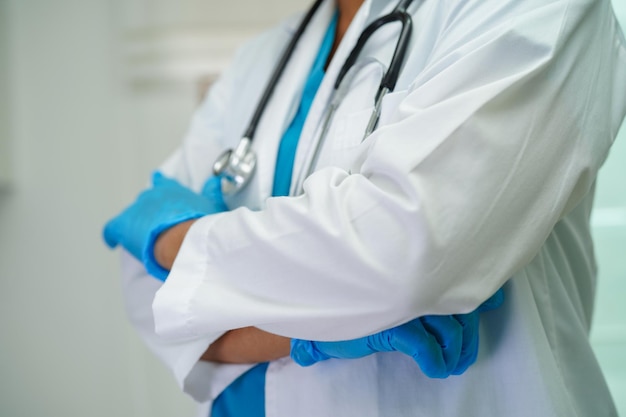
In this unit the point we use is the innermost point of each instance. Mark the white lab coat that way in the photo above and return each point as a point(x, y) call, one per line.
point(480, 174)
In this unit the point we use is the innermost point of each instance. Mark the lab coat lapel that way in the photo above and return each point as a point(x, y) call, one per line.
point(286, 98)
point(308, 137)
point(369, 11)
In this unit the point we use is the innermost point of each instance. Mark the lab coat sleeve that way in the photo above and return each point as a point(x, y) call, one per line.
point(202, 380)
point(500, 136)
point(191, 165)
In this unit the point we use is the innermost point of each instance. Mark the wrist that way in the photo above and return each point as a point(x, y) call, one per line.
point(168, 243)
point(247, 345)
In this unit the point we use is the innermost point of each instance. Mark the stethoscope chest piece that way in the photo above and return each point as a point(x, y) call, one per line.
point(235, 167)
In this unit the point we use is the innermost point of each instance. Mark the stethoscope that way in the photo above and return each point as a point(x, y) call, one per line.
point(236, 166)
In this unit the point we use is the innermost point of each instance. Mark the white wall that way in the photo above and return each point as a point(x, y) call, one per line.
point(97, 98)
point(86, 132)
point(65, 348)
point(5, 130)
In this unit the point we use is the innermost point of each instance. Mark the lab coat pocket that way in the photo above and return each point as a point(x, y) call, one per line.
point(348, 139)
point(350, 128)
point(389, 110)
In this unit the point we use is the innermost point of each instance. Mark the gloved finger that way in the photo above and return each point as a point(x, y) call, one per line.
point(160, 180)
point(348, 349)
point(213, 188)
point(157, 178)
point(305, 352)
point(115, 233)
point(493, 302)
point(449, 334)
point(109, 233)
point(414, 340)
point(469, 348)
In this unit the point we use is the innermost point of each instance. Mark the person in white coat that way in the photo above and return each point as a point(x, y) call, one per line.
point(480, 174)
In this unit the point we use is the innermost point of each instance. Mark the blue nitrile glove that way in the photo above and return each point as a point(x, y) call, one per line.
point(441, 345)
point(156, 209)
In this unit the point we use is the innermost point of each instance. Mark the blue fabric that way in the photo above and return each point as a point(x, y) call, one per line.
point(245, 397)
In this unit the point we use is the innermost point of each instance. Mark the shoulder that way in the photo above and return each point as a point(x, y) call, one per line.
point(473, 18)
point(537, 30)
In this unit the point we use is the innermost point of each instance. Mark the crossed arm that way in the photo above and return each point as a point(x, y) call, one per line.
point(245, 345)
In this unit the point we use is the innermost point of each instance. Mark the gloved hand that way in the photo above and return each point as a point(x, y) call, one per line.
point(441, 345)
point(156, 209)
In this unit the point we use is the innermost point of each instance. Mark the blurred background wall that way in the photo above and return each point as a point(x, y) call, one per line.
point(93, 95)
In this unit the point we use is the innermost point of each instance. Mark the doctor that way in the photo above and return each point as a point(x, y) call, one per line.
point(481, 172)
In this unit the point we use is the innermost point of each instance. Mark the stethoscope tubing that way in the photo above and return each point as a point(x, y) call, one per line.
point(235, 167)
point(391, 75)
point(278, 71)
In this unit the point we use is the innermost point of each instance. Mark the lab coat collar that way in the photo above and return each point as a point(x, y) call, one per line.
point(289, 89)
point(287, 96)
point(308, 137)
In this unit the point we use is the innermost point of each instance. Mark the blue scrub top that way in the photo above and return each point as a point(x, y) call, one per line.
point(289, 142)
point(245, 397)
